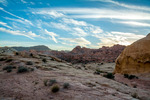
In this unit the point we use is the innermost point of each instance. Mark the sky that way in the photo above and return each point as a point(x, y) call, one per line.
point(64, 24)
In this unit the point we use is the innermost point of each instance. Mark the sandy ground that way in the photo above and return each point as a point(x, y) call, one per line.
point(84, 85)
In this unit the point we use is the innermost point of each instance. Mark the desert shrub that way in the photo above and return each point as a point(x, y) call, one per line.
point(51, 82)
point(22, 69)
point(29, 63)
point(66, 85)
point(55, 88)
point(2, 59)
point(109, 75)
point(135, 95)
point(9, 60)
point(44, 60)
point(97, 71)
point(126, 75)
point(45, 82)
point(9, 70)
point(130, 76)
point(17, 53)
point(31, 55)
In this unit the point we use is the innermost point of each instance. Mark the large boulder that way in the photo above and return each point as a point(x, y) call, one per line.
point(135, 58)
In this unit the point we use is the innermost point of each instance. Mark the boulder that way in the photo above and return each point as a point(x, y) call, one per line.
point(135, 58)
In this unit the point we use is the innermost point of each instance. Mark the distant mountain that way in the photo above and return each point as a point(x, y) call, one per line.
point(37, 48)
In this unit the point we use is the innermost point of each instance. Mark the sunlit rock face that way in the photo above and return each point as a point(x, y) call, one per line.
point(135, 58)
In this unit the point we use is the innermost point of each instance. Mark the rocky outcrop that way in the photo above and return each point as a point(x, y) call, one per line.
point(86, 55)
point(135, 58)
point(7, 51)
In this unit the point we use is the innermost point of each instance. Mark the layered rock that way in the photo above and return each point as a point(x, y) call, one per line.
point(135, 58)
point(86, 55)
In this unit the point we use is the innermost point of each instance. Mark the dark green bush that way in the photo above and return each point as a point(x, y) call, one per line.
point(17, 53)
point(31, 54)
point(9, 70)
point(45, 82)
point(130, 76)
point(55, 88)
point(9, 60)
point(29, 63)
point(2, 59)
point(51, 82)
point(22, 69)
point(44, 60)
point(66, 85)
point(109, 75)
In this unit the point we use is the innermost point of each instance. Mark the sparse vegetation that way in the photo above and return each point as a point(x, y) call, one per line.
point(55, 88)
point(2, 59)
point(66, 85)
point(9, 68)
point(44, 60)
point(22, 69)
point(130, 76)
point(9, 60)
point(45, 82)
point(17, 53)
point(31, 55)
point(29, 63)
point(109, 75)
point(135, 95)
point(98, 71)
point(51, 82)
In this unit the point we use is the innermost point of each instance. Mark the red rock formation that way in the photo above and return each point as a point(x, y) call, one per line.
point(85, 55)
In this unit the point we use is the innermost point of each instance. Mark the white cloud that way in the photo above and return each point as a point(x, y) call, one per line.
point(121, 38)
point(79, 32)
point(4, 2)
point(52, 34)
point(52, 13)
point(126, 5)
point(32, 3)
point(29, 34)
point(74, 22)
point(5, 24)
point(78, 41)
point(105, 13)
point(134, 23)
point(26, 22)
point(59, 26)
point(23, 1)
point(17, 16)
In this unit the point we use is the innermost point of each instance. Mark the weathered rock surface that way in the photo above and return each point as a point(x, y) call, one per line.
point(135, 58)
point(85, 55)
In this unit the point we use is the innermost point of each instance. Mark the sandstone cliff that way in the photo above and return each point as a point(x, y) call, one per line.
point(135, 58)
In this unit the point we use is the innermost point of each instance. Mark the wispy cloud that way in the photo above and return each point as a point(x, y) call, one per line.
point(77, 41)
point(4, 2)
point(52, 34)
point(29, 34)
point(16, 16)
point(134, 23)
point(5, 24)
point(122, 38)
point(23, 1)
point(96, 13)
point(74, 22)
point(125, 5)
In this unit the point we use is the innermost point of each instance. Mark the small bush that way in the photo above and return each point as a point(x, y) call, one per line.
point(51, 82)
point(9, 60)
point(22, 69)
point(135, 95)
point(2, 59)
point(7, 67)
point(45, 82)
point(29, 63)
point(130, 76)
point(55, 88)
point(44, 60)
point(66, 85)
point(17, 53)
point(109, 75)
point(9, 70)
point(31, 54)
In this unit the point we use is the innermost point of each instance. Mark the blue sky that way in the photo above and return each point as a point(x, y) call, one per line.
point(64, 24)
